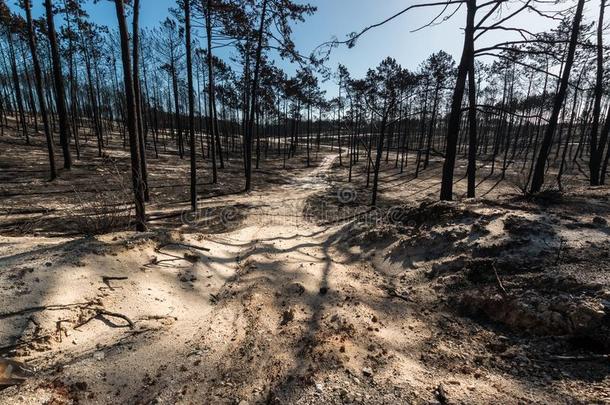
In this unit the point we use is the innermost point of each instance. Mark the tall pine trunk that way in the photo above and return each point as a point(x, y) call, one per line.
point(545, 148)
point(253, 95)
point(138, 98)
point(191, 100)
point(39, 90)
point(472, 135)
point(136, 175)
point(453, 127)
point(595, 158)
point(60, 96)
point(213, 123)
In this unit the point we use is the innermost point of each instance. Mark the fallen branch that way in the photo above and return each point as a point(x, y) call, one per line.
point(186, 245)
point(157, 317)
point(99, 312)
point(191, 258)
point(57, 307)
point(500, 285)
point(117, 315)
point(107, 279)
point(110, 278)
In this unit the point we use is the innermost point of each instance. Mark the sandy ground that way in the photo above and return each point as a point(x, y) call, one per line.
point(298, 293)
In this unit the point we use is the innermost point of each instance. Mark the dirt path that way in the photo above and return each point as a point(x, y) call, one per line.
point(169, 300)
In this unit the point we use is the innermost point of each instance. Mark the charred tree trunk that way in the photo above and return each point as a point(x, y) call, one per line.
point(18, 95)
point(134, 148)
point(472, 138)
point(595, 156)
point(538, 175)
point(453, 127)
point(191, 100)
point(380, 141)
point(213, 129)
point(253, 96)
point(39, 90)
point(60, 96)
point(138, 98)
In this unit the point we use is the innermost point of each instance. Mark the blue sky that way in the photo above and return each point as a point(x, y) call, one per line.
point(340, 17)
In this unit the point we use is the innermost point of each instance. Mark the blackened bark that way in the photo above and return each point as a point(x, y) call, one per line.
point(213, 128)
point(39, 90)
point(253, 95)
point(595, 158)
point(136, 175)
point(538, 176)
point(138, 98)
point(60, 96)
point(472, 136)
point(191, 99)
point(453, 128)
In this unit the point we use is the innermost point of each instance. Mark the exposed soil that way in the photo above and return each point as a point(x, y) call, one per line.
point(308, 296)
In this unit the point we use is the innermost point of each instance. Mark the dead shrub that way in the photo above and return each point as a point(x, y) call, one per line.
point(103, 208)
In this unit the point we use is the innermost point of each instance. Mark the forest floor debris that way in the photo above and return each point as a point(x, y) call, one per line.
point(414, 302)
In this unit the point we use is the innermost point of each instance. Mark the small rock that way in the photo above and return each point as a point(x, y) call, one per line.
point(320, 387)
point(367, 372)
point(99, 356)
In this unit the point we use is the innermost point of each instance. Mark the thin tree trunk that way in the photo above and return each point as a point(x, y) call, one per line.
point(253, 96)
point(138, 98)
point(472, 139)
point(378, 157)
point(453, 127)
point(213, 129)
point(39, 91)
point(538, 176)
point(60, 97)
point(191, 97)
point(136, 175)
